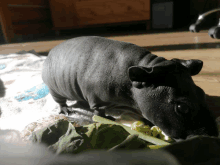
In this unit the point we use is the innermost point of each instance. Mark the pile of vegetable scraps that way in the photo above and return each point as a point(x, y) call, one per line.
point(152, 131)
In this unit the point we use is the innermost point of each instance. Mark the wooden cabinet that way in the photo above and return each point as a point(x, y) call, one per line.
point(81, 13)
point(23, 17)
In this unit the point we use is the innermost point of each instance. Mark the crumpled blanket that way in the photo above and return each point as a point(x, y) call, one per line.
point(24, 98)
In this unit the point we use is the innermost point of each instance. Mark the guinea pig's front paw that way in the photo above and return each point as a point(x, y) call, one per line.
point(102, 114)
point(65, 110)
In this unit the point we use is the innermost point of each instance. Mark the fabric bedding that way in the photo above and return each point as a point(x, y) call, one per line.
point(24, 96)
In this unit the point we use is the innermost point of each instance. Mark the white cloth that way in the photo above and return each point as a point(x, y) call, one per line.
point(26, 98)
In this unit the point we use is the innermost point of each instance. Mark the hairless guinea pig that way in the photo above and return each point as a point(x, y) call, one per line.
point(106, 74)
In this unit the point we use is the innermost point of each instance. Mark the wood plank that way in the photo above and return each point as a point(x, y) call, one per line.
point(145, 40)
point(42, 46)
point(6, 22)
point(110, 11)
point(172, 38)
point(28, 2)
point(33, 28)
point(29, 14)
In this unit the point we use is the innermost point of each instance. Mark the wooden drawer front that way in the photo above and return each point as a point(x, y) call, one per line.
point(63, 13)
point(111, 11)
point(33, 28)
point(28, 2)
point(26, 14)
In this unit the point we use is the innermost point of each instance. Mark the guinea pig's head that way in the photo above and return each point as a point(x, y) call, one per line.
point(167, 96)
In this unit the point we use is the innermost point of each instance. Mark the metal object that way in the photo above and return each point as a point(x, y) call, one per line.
point(214, 32)
point(201, 17)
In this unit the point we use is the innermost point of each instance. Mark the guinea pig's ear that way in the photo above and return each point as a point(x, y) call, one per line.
point(139, 73)
point(194, 66)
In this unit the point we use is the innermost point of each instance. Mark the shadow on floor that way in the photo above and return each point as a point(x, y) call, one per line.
point(184, 47)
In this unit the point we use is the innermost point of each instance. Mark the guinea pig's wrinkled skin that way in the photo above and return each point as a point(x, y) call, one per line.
point(105, 74)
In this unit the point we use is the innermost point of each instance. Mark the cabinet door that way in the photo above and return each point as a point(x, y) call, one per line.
point(71, 13)
point(112, 11)
point(63, 13)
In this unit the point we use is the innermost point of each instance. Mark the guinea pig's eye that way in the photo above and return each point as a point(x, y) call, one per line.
point(181, 108)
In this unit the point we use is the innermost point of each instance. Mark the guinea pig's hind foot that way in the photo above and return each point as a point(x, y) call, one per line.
point(65, 110)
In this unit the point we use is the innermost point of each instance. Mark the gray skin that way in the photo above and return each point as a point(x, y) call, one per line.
point(105, 74)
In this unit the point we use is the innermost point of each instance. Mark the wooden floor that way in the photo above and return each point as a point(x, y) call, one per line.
point(166, 40)
point(184, 45)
